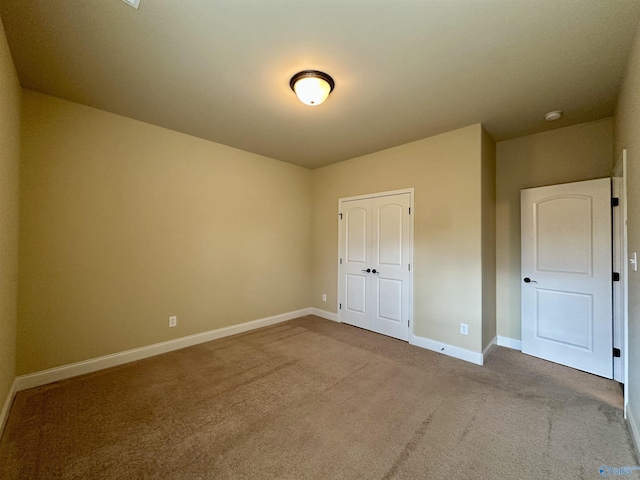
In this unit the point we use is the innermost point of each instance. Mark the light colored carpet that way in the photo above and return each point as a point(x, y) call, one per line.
point(311, 398)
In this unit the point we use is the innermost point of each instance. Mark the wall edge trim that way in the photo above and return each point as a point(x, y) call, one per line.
point(509, 343)
point(447, 349)
point(488, 350)
point(324, 314)
point(634, 429)
point(6, 408)
point(63, 372)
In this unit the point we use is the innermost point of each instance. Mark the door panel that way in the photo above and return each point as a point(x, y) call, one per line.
point(376, 236)
point(356, 243)
point(556, 251)
point(356, 220)
point(566, 253)
point(390, 299)
point(390, 232)
point(565, 318)
point(391, 262)
point(356, 294)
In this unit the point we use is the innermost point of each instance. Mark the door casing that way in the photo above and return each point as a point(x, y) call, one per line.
point(621, 261)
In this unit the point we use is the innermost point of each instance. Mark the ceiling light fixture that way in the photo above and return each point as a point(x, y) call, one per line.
point(551, 116)
point(132, 3)
point(311, 86)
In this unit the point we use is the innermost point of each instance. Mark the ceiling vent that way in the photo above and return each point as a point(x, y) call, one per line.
point(132, 3)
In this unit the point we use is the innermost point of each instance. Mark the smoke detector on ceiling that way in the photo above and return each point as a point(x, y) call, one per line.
point(555, 115)
point(132, 3)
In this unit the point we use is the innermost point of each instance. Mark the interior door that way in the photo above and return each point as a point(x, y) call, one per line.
point(375, 275)
point(566, 275)
point(390, 246)
point(355, 263)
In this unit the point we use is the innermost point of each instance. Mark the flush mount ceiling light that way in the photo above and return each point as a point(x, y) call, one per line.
point(311, 86)
point(551, 116)
point(132, 3)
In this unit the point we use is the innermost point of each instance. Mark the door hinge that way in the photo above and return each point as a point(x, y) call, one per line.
point(340, 261)
point(409, 210)
point(615, 202)
point(616, 277)
point(409, 267)
point(409, 323)
point(340, 306)
point(340, 216)
point(616, 352)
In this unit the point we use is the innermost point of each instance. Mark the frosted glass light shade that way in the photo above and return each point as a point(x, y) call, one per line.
point(312, 87)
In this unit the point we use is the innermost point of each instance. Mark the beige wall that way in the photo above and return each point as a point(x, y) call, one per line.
point(9, 196)
point(445, 171)
point(488, 239)
point(627, 135)
point(571, 154)
point(124, 223)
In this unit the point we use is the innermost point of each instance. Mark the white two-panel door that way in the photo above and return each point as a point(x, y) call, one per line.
point(374, 269)
point(567, 275)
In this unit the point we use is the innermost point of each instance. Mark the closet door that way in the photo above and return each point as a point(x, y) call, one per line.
point(355, 268)
point(390, 245)
point(375, 255)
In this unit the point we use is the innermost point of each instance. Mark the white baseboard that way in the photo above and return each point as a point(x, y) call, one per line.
point(489, 348)
point(87, 366)
point(446, 349)
point(6, 407)
point(633, 427)
point(510, 343)
point(324, 314)
point(63, 372)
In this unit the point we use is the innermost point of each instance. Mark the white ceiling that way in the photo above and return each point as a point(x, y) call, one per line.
point(404, 69)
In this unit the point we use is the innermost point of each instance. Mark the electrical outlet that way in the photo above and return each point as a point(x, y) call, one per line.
point(173, 321)
point(464, 329)
point(324, 297)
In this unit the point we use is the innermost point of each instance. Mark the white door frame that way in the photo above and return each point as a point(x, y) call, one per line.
point(621, 265)
point(410, 191)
